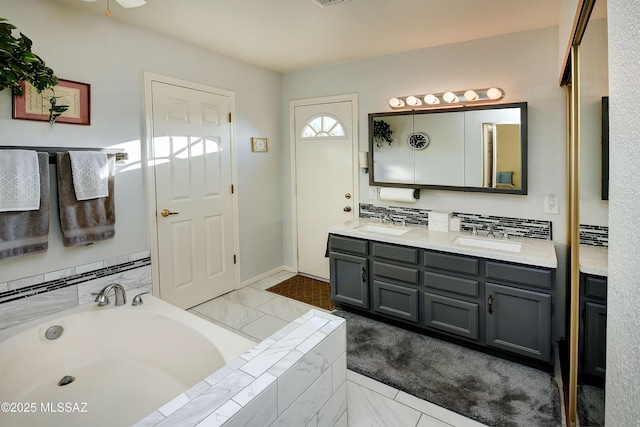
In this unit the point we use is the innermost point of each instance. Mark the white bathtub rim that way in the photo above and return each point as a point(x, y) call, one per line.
point(213, 332)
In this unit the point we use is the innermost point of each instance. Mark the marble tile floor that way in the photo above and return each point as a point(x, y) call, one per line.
point(256, 314)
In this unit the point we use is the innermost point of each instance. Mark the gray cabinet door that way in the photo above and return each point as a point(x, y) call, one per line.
point(349, 279)
point(451, 315)
point(396, 301)
point(518, 321)
point(595, 339)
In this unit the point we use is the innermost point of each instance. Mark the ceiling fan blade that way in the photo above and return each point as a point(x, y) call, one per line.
point(129, 3)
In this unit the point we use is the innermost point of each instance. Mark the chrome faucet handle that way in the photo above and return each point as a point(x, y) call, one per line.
point(505, 235)
point(102, 298)
point(490, 233)
point(474, 231)
point(137, 300)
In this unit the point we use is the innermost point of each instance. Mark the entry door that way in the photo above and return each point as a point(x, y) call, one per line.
point(194, 206)
point(324, 179)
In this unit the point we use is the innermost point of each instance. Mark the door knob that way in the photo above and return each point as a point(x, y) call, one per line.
point(347, 196)
point(166, 212)
point(347, 209)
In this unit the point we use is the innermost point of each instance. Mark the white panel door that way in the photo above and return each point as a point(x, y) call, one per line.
point(324, 183)
point(194, 206)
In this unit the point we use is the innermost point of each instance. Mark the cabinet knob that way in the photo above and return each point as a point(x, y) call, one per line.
point(490, 304)
point(364, 274)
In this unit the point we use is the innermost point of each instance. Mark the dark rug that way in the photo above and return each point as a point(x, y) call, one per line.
point(482, 387)
point(306, 289)
point(590, 406)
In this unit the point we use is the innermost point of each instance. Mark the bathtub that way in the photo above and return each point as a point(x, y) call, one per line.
point(125, 362)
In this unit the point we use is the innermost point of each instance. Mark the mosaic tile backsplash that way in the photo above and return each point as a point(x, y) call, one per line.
point(519, 227)
point(37, 296)
point(594, 235)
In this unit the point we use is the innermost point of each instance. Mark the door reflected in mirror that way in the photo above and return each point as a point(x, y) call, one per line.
point(481, 149)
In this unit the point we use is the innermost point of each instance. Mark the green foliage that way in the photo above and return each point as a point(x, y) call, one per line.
point(56, 110)
point(18, 63)
point(382, 132)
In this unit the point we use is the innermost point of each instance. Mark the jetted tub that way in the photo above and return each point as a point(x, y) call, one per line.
point(125, 363)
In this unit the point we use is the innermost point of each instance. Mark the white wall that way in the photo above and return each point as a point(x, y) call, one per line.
point(112, 58)
point(569, 11)
point(623, 316)
point(523, 64)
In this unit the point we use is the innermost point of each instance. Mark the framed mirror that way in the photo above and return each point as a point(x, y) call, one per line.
point(479, 148)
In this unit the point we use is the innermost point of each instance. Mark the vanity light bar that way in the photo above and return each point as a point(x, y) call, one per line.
point(460, 97)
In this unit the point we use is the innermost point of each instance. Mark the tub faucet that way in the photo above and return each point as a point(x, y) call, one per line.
point(103, 296)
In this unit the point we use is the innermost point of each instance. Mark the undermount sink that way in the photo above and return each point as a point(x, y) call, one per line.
point(384, 229)
point(488, 243)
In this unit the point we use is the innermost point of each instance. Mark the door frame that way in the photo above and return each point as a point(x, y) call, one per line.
point(148, 166)
point(355, 143)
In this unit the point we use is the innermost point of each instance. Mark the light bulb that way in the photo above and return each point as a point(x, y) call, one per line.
point(471, 95)
point(396, 103)
point(450, 97)
point(413, 101)
point(431, 99)
point(494, 93)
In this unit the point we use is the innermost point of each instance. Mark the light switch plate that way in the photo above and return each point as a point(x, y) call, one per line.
point(373, 193)
point(551, 205)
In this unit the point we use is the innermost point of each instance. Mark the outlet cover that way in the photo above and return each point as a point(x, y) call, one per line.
point(551, 205)
point(373, 193)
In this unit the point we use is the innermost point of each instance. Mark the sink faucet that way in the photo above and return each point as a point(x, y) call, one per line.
point(103, 296)
point(490, 233)
point(387, 218)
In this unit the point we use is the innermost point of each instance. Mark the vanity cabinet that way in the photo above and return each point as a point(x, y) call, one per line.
point(452, 294)
point(593, 328)
point(396, 278)
point(519, 321)
point(519, 309)
point(349, 271)
point(494, 304)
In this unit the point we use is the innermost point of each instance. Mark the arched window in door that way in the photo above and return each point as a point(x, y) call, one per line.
point(323, 126)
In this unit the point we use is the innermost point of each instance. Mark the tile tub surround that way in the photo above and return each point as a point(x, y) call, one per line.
point(296, 377)
point(594, 235)
point(533, 251)
point(517, 227)
point(33, 297)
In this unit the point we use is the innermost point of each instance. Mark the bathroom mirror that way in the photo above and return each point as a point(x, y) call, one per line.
point(480, 148)
point(594, 91)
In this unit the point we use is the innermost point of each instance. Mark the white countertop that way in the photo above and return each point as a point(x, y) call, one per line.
point(533, 251)
point(594, 260)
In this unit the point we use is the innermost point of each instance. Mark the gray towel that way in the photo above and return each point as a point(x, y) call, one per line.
point(84, 221)
point(26, 232)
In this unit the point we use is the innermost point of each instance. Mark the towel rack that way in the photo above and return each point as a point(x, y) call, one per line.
point(120, 155)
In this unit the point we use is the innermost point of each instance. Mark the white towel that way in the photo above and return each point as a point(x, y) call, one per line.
point(90, 174)
point(19, 180)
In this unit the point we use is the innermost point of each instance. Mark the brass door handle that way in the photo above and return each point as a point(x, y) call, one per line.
point(347, 209)
point(166, 212)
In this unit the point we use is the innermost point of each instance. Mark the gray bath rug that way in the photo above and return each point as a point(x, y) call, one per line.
point(590, 406)
point(479, 386)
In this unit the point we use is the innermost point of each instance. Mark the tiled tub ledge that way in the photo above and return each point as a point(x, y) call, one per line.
point(296, 377)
